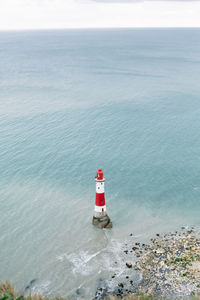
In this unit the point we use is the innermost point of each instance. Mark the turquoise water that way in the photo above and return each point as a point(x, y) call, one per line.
point(74, 101)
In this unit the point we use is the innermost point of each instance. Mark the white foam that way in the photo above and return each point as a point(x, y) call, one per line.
point(42, 289)
point(80, 262)
point(98, 265)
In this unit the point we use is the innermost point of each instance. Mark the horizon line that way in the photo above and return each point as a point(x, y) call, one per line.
point(99, 28)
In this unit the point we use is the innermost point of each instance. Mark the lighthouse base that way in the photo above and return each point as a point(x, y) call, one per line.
point(102, 222)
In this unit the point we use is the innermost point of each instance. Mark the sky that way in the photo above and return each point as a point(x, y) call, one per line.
point(49, 14)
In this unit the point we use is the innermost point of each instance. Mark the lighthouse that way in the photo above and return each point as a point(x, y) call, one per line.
point(100, 218)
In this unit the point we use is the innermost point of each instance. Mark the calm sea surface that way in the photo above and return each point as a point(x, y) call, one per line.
point(127, 101)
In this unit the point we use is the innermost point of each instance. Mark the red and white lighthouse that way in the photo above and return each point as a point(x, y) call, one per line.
point(100, 204)
point(100, 217)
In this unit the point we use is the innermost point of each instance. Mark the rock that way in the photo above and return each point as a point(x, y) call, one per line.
point(78, 291)
point(95, 221)
point(109, 225)
point(121, 285)
point(135, 248)
point(129, 265)
point(31, 283)
point(102, 222)
point(160, 251)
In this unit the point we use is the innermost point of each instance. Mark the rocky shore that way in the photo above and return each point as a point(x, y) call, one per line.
point(169, 267)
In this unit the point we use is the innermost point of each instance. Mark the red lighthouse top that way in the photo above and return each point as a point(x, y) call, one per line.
point(99, 176)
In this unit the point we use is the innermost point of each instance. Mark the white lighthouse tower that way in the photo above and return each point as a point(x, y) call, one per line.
point(100, 218)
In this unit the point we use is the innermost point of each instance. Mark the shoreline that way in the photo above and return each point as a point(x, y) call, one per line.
point(168, 267)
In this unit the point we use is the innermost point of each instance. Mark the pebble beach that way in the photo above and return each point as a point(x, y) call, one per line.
point(168, 267)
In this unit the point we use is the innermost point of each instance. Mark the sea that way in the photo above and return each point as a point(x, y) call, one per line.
point(74, 101)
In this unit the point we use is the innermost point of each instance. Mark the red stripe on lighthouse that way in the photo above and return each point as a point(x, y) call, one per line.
point(100, 199)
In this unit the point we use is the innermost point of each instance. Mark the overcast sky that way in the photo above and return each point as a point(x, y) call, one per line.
point(44, 14)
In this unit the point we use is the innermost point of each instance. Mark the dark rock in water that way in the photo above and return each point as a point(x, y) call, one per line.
point(131, 281)
point(131, 234)
point(157, 234)
point(113, 276)
point(127, 277)
point(31, 283)
point(129, 265)
point(101, 293)
point(126, 251)
point(135, 248)
point(27, 287)
point(121, 285)
point(79, 292)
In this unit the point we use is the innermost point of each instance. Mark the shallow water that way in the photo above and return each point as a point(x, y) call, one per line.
point(73, 101)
